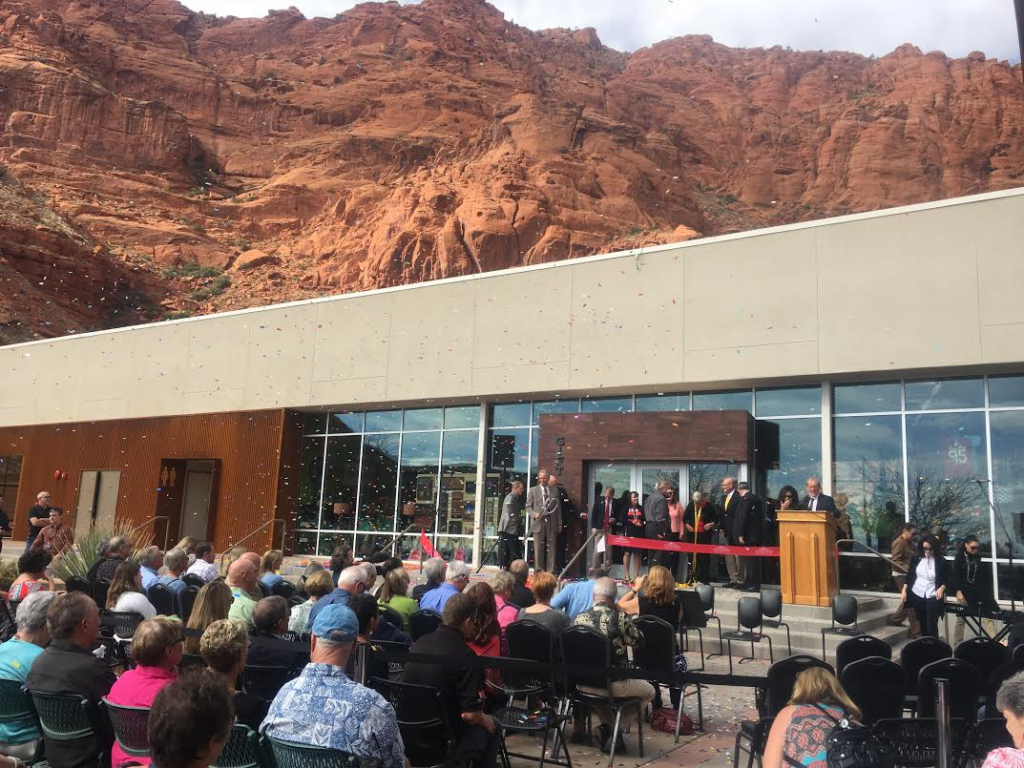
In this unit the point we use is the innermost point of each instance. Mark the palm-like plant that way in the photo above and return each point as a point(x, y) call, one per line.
point(92, 546)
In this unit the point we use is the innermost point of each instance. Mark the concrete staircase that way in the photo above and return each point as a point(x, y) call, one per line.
point(805, 624)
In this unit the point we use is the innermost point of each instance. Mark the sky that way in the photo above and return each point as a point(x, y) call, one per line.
point(864, 26)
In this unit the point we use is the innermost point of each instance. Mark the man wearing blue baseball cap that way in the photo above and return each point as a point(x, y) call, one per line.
point(322, 707)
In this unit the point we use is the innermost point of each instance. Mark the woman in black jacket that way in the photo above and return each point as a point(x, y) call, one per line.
point(925, 587)
point(632, 523)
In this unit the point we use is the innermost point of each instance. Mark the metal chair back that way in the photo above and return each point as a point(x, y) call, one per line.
point(917, 654)
point(188, 601)
point(283, 589)
point(264, 681)
point(771, 603)
point(588, 647)
point(707, 597)
point(657, 652)
point(78, 584)
point(423, 623)
point(860, 647)
point(99, 592)
point(844, 610)
point(62, 717)
point(391, 616)
point(192, 580)
point(288, 754)
point(15, 705)
point(876, 685)
point(130, 724)
point(782, 677)
point(965, 685)
point(748, 612)
point(530, 640)
point(422, 720)
point(984, 653)
point(242, 750)
point(163, 599)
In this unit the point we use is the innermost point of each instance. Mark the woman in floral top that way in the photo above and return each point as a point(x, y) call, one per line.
point(1010, 702)
point(800, 731)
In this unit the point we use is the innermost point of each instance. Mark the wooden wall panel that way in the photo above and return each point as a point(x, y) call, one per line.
point(248, 445)
point(568, 441)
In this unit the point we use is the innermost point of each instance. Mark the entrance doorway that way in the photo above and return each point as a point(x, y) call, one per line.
point(627, 476)
point(97, 501)
point(187, 497)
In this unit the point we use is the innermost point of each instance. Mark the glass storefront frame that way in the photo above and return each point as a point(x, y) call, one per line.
point(839, 401)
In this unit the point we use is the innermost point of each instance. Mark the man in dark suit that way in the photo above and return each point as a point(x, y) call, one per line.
point(748, 525)
point(656, 515)
point(816, 501)
point(602, 518)
point(730, 503)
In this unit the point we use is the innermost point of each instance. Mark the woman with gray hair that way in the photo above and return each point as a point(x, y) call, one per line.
point(502, 583)
point(20, 736)
point(699, 522)
point(1010, 702)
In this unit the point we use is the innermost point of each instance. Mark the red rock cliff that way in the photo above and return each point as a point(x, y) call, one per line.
point(401, 143)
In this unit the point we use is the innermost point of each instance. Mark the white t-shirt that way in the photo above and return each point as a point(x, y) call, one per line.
point(135, 602)
point(924, 586)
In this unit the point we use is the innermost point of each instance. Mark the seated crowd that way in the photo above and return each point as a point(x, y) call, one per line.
point(200, 676)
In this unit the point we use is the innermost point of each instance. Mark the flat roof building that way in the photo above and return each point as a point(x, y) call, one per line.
point(883, 352)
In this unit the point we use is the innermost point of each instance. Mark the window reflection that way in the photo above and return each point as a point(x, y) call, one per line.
point(946, 455)
point(1008, 480)
point(797, 401)
point(608, 405)
point(662, 403)
point(554, 406)
point(384, 421)
point(944, 394)
point(723, 401)
point(799, 455)
point(1006, 391)
point(310, 479)
point(346, 421)
point(314, 423)
point(418, 476)
point(510, 415)
point(458, 482)
point(463, 417)
point(423, 418)
point(341, 481)
point(867, 398)
point(508, 454)
point(379, 482)
point(869, 470)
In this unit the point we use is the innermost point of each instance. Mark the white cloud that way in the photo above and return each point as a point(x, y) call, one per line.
point(865, 26)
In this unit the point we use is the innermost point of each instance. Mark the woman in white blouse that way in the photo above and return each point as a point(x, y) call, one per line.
point(125, 593)
point(925, 587)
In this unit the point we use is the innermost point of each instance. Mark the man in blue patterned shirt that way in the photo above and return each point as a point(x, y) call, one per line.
point(324, 708)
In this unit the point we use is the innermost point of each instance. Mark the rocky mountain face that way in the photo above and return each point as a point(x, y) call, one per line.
point(163, 162)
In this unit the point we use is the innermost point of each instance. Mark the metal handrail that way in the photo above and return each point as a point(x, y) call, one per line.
point(167, 527)
point(876, 553)
point(576, 557)
point(271, 521)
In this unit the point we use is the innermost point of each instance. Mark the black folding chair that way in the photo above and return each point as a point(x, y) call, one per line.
point(706, 592)
point(164, 600)
point(987, 734)
point(984, 653)
point(283, 589)
point(914, 656)
point(129, 728)
point(288, 754)
point(78, 584)
point(192, 580)
point(64, 717)
point(120, 623)
point(844, 614)
point(771, 613)
point(693, 619)
point(965, 685)
point(658, 652)
point(860, 647)
point(876, 685)
point(423, 623)
point(391, 616)
point(99, 592)
point(588, 647)
point(264, 681)
point(748, 619)
point(243, 750)
point(753, 734)
point(422, 720)
point(16, 710)
point(913, 741)
point(188, 601)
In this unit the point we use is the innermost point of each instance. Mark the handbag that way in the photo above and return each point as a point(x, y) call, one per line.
point(851, 745)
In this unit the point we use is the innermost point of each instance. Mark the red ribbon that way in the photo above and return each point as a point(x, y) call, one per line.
point(681, 546)
point(427, 546)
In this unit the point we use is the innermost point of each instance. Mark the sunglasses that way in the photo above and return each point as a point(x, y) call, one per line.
point(789, 497)
point(927, 549)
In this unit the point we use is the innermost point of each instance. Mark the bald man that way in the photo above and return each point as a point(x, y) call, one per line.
point(242, 577)
point(255, 593)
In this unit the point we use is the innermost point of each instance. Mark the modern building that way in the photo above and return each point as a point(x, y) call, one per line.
point(883, 352)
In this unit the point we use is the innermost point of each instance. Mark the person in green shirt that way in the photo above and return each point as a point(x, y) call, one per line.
point(19, 736)
point(242, 576)
point(395, 595)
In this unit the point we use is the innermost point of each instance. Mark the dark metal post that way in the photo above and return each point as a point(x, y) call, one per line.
point(942, 754)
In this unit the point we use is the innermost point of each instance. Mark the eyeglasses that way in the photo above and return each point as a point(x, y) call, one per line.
point(788, 496)
point(927, 549)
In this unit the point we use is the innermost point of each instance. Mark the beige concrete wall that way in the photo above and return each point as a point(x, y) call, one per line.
point(926, 287)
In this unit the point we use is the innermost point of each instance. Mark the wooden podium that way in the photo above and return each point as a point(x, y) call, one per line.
point(807, 557)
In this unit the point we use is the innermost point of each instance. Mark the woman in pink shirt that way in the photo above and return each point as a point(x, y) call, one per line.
point(675, 520)
point(157, 646)
point(503, 583)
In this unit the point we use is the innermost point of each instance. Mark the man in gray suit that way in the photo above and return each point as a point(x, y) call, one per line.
point(544, 511)
point(656, 514)
point(508, 526)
